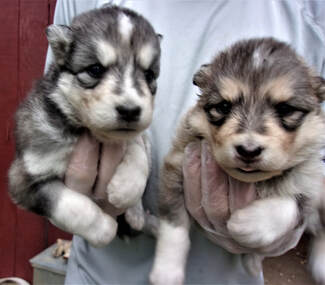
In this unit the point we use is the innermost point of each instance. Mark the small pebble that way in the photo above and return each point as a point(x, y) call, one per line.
point(281, 274)
point(303, 261)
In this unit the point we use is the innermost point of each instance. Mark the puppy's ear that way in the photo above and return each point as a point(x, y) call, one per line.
point(60, 39)
point(200, 77)
point(319, 87)
point(160, 37)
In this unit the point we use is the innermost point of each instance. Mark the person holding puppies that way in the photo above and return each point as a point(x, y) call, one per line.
point(193, 32)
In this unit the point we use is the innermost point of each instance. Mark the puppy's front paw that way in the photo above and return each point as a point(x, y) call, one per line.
point(167, 275)
point(101, 232)
point(124, 191)
point(263, 222)
point(250, 227)
point(119, 198)
point(122, 195)
point(135, 216)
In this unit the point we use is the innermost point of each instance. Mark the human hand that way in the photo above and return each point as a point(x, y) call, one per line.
point(90, 170)
point(227, 209)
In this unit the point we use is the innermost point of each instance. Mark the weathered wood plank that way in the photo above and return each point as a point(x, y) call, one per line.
point(9, 15)
point(31, 235)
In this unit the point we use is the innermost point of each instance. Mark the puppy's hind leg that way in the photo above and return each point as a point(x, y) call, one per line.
point(317, 254)
point(69, 210)
point(171, 253)
point(78, 214)
point(173, 235)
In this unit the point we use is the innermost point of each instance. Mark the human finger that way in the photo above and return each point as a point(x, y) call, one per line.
point(110, 157)
point(192, 183)
point(81, 172)
point(214, 188)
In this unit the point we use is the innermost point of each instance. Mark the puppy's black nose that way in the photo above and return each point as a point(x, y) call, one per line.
point(248, 152)
point(128, 114)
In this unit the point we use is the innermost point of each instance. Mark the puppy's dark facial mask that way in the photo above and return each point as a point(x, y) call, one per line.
point(109, 60)
point(262, 105)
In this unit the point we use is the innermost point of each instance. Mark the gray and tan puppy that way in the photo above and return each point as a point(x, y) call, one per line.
point(260, 111)
point(102, 81)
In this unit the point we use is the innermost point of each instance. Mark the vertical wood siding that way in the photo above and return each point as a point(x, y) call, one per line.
point(23, 48)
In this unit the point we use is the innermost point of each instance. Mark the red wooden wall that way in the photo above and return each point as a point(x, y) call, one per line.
point(23, 48)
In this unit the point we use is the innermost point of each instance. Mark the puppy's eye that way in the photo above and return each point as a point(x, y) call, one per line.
point(149, 75)
point(284, 109)
point(224, 107)
point(95, 70)
point(217, 112)
point(290, 117)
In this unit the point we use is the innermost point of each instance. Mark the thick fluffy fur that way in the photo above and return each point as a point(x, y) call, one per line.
point(102, 81)
point(260, 111)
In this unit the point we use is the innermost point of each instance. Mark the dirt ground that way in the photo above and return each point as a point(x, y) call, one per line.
point(290, 268)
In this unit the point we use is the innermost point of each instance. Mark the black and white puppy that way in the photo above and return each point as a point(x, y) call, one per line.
point(102, 81)
point(260, 111)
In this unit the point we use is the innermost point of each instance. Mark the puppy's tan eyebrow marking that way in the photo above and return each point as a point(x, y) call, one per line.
point(231, 89)
point(105, 52)
point(146, 55)
point(278, 89)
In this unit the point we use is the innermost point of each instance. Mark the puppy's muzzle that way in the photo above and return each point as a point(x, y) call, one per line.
point(128, 114)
